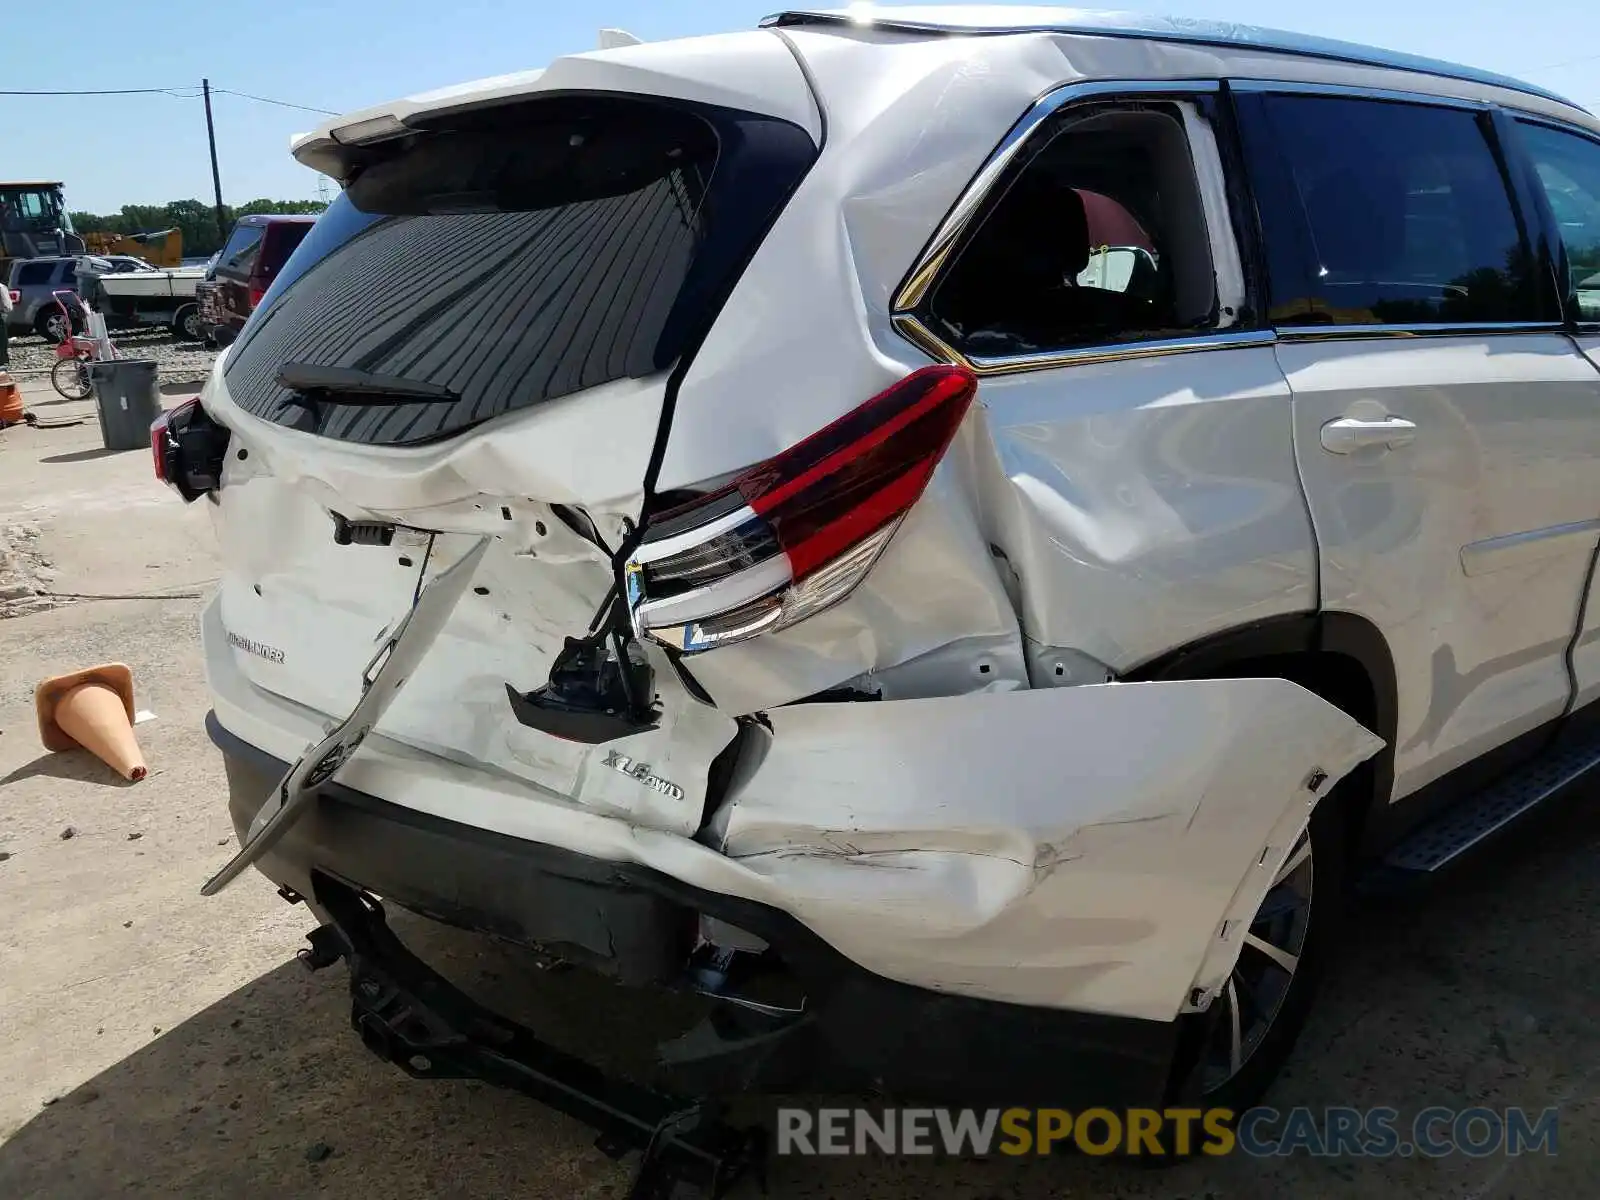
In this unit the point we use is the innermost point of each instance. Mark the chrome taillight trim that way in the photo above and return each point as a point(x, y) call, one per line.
point(714, 599)
point(788, 605)
point(655, 551)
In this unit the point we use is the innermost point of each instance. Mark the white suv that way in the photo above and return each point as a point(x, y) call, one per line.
point(954, 528)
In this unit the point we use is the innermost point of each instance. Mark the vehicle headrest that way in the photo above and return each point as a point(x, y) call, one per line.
point(1040, 228)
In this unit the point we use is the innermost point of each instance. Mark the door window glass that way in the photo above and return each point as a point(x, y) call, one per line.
point(1569, 168)
point(1393, 214)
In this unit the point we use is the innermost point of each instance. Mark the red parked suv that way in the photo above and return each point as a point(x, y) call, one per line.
point(255, 251)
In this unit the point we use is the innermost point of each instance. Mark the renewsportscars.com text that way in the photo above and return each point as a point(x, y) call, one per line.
point(1334, 1132)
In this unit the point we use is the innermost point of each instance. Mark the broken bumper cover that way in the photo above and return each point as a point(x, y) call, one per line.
point(860, 1032)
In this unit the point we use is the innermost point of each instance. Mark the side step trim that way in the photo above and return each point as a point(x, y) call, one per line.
point(1450, 835)
point(411, 1016)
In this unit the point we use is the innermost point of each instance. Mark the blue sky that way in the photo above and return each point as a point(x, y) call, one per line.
point(349, 53)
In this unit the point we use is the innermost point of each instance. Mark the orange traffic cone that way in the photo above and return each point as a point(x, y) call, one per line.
point(92, 708)
point(11, 411)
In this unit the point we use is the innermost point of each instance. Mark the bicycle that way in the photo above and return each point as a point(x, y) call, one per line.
point(70, 374)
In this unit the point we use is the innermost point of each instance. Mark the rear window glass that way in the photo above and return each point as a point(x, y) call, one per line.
point(518, 255)
point(33, 274)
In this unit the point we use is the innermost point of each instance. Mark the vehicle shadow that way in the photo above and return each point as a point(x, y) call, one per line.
point(1473, 993)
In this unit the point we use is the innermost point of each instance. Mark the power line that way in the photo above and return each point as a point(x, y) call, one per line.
point(1567, 62)
point(188, 91)
point(280, 103)
point(101, 92)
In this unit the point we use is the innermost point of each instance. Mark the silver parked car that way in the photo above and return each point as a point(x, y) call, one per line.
point(37, 280)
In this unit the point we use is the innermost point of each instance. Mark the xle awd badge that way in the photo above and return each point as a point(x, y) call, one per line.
point(642, 773)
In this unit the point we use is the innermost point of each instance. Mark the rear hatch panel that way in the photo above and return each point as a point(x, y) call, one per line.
point(550, 262)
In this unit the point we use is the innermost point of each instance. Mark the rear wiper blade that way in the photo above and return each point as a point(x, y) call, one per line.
point(351, 385)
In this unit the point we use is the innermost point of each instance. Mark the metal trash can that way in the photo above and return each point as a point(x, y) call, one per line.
point(129, 402)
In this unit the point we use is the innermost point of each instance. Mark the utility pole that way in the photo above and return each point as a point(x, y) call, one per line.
point(216, 175)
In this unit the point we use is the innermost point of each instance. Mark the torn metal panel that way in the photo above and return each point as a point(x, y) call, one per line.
point(1071, 847)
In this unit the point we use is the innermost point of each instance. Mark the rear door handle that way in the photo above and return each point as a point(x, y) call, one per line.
point(1349, 434)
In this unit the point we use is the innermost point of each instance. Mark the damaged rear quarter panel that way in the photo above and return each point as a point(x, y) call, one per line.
point(1147, 504)
point(1099, 513)
point(1070, 847)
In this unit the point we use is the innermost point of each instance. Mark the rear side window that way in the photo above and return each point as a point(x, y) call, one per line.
point(1102, 237)
point(517, 255)
point(33, 274)
point(244, 246)
point(1568, 166)
point(1388, 213)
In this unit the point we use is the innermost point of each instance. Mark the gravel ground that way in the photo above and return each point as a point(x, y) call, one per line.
point(179, 362)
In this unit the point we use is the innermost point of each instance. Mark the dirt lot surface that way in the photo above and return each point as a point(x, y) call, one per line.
point(163, 1045)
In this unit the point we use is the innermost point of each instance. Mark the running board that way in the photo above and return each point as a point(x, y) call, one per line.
point(1450, 835)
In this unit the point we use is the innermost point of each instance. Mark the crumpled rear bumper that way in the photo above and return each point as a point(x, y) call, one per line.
point(860, 1031)
point(1095, 848)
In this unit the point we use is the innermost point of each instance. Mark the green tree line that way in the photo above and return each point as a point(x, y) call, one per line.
point(197, 219)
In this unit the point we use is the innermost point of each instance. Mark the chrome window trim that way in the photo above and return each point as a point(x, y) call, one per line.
point(932, 259)
point(1335, 333)
point(1351, 91)
point(914, 331)
point(1526, 116)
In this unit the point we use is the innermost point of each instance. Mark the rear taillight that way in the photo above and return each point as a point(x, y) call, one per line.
point(795, 534)
point(188, 448)
point(256, 292)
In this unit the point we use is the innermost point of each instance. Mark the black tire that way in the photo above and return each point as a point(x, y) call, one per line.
point(70, 377)
point(50, 325)
point(1241, 1088)
point(187, 324)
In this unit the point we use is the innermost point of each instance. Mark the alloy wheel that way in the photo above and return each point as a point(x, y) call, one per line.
point(1259, 984)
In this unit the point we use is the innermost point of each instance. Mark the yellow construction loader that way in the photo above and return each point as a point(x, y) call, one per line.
point(163, 249)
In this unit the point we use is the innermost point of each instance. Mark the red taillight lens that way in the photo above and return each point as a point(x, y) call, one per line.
point(256, 292)
point(796, 533)
point(158, 446)
point(868, 468)
point(188, 448)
